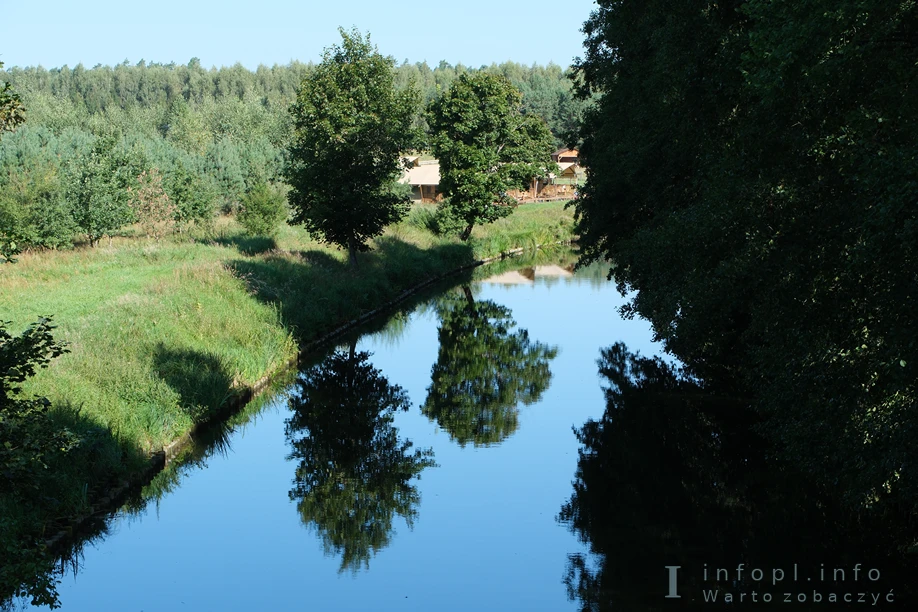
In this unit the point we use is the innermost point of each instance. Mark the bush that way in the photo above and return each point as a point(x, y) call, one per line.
point(152, 207)
point(193, 196)
point(264, 208)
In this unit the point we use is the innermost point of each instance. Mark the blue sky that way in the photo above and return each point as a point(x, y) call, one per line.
point(474, 32)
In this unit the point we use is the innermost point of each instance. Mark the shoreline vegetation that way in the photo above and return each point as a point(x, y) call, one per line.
point(164, 334)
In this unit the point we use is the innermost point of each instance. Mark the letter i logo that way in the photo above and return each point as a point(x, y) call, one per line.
point(673, 581)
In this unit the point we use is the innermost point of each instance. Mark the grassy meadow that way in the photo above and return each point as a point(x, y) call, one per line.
point(162, 333)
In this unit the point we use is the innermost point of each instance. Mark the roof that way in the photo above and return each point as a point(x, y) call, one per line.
point(425, 174)
point(565, 152)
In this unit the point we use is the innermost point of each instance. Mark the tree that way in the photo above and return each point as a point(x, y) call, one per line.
point(99, 191)
point(12, 112)
point(355, 473)
point(484, 370)
point(351, 127)
point(680, 475)
point(751, 181)
point(264, 208)
point(193, 197)
point(486, 146)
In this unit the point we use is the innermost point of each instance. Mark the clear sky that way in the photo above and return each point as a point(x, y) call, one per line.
point(52, 33)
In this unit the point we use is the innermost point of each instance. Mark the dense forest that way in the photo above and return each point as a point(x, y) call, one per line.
point(212, 134)
point(753, 178)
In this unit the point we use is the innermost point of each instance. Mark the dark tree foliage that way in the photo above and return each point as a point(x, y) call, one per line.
point(192, 195)
point(486, 145)
point(674, 474)
point(752, 175)
point(354, 474)
point(30, 444)
point(351, 126)
point(484, 370)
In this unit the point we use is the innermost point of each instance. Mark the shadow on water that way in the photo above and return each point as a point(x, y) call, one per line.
point(36, 570)
point(354, 473)
point(485, 368)
point(34, 505)
point(673, 475)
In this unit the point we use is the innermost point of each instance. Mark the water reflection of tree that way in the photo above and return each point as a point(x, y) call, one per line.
point(354, 474)
point(484, 370)
point(672, 474)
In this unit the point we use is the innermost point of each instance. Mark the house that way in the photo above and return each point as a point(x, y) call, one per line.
point(424, 178)
point(566, 156)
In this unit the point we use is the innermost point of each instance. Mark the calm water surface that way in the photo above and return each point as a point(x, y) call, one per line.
point(422, 467)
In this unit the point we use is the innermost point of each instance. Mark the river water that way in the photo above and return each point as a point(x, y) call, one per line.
point(421, 467)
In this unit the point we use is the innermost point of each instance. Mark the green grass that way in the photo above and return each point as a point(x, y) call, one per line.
point(162, 334)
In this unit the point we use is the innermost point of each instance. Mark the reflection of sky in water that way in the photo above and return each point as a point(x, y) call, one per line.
point(486, 537)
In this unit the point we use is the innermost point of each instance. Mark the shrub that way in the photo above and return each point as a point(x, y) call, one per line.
point(154, 210)
point(264, 208)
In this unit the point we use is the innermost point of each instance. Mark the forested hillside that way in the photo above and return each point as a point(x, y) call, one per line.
point(213, 134)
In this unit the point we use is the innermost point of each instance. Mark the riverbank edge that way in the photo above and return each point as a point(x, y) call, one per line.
point(159, 460)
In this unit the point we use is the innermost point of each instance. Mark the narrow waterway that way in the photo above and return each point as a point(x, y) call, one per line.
point(421, 467)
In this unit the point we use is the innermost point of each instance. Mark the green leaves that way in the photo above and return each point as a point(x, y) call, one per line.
point(741, 181)
point(12, 112)
point(486, 146)
point(99, 190)
point(351, 126)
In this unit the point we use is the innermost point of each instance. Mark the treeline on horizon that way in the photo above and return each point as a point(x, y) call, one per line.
point(213, 134)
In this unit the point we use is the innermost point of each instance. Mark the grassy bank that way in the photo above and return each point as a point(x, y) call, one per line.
point(162, 334)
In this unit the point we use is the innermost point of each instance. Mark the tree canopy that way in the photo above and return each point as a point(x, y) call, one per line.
point(486, 145)
point(351, 127)
point(12, 113)
point(752, 176)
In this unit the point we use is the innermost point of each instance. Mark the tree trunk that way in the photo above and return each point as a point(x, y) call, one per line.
point(467, 232)
point(468, 295)
point(352, 252)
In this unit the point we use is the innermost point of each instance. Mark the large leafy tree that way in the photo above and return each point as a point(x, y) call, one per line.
point(485, 369)
point(355, 474)
point(486, 145)
point(752, 176)
point(351, 126)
